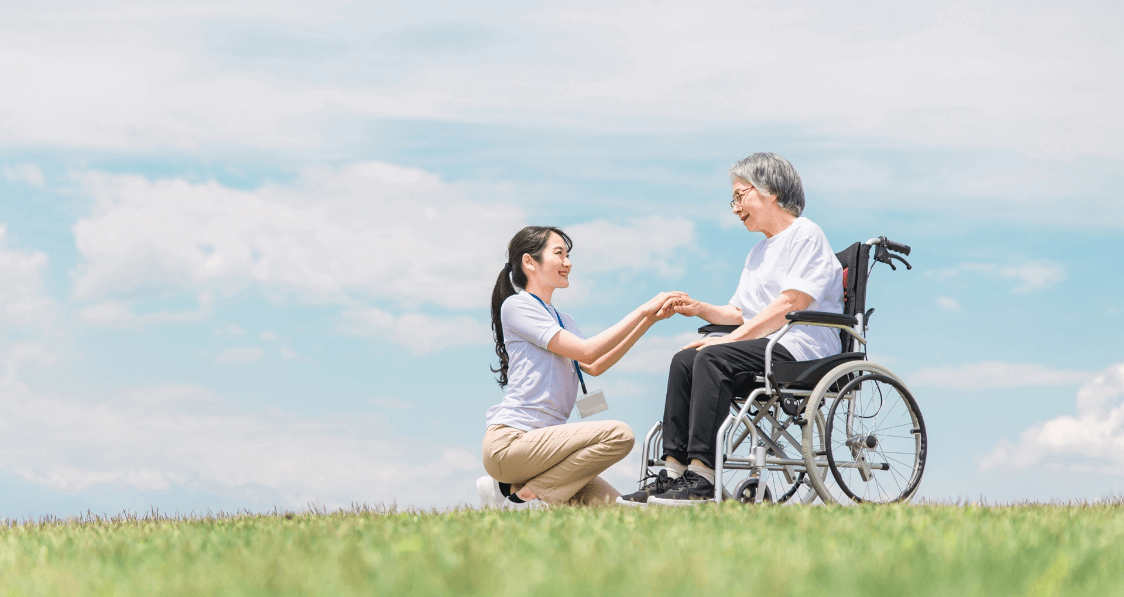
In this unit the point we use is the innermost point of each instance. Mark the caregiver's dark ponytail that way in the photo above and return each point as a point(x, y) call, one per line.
point(528, 241)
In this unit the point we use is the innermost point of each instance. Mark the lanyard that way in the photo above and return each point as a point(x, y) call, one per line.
point(581, 379)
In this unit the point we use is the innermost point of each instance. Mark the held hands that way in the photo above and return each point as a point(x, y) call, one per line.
point(685, 305)
point(662, 305)
point(681, 303)
point(666, 304)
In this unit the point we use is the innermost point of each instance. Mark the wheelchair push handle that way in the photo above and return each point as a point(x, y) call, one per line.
point(882, 253)
point(894, 246)
point(884, 243)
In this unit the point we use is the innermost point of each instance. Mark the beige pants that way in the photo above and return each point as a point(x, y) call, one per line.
point(561, 463)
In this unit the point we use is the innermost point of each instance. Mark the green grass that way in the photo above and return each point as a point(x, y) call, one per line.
point(728, 550)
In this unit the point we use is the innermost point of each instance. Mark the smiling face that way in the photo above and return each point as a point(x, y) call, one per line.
point(755, 209)
point(554, 269)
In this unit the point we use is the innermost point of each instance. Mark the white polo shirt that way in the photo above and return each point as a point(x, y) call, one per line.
point(541, 386)
point(798, 258)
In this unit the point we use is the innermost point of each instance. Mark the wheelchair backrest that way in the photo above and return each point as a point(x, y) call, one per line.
point(854, 260)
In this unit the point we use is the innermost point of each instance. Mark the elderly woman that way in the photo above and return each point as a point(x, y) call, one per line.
point(792, 269)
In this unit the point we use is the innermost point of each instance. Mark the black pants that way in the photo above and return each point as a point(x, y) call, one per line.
point(700, 389)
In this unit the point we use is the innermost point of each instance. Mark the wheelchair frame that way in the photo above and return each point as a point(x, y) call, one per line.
point(766, 454)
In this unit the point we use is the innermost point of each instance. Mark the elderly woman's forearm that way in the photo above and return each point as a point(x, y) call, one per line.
point(722, 315)
point(772, 317)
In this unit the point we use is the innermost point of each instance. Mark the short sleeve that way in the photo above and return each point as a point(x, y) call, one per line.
point(736, 300)
point(528, 320)
point(811, 268)
point(572, 326)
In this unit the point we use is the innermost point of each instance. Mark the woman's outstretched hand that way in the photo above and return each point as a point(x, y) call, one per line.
point(662, 305)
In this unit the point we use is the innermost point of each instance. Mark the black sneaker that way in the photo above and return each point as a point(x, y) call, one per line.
point(692, 490)
point(660, 483)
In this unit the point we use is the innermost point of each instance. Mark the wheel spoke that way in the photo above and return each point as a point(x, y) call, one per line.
point(898, 461)
point(906, 424)
point(894, 475)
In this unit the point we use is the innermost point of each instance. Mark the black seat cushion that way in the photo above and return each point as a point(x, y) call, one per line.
point(806, 374)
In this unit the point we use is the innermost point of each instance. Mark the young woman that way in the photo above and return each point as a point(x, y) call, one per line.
point(529, 450)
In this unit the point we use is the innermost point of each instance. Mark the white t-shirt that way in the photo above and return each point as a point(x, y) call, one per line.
point(541, 386)
point(798, 258)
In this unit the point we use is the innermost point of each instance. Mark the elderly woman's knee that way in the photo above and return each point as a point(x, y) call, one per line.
point(684, 359)
point(710, 360)
point(708, 354)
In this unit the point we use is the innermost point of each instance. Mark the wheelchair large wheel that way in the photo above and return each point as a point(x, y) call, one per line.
point(853, 478)
point(876, 439)
point(816, 427)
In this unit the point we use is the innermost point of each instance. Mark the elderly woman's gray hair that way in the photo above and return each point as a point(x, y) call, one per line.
point(773, 175)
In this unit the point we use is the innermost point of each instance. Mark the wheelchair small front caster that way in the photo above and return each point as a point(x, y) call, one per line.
point(746, 491)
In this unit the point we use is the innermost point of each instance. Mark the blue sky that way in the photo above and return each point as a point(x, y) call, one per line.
point(247, 247)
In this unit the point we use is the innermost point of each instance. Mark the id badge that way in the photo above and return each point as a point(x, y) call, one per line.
point(592, 403)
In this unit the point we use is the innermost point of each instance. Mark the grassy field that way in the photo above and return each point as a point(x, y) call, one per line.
point(731, 550)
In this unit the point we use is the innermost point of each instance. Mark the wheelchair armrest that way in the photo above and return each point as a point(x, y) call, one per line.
point(714, 328)
point(822, 317)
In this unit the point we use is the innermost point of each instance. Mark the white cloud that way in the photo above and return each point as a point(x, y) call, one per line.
point(24, 301)
point(230, 329)
point(1031, 275)
point(1035, 275)
point(997, 374)
point(120, 314)
point(652, 353)
point(334, 235)
point(1042, 78)
point(186, 438)
point(948, 303)
point(240, 355)
point(654, 244)
point(416, 331)
point(1092, 441)
point(107, 313)
point(21, 354)
point(23, 173)
point(343, 235)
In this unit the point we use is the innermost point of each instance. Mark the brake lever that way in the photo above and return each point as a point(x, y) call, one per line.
point(881, 253)
point(901, 259)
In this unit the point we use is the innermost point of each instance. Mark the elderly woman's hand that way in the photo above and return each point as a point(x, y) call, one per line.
point(688, 306)
point(702, 343)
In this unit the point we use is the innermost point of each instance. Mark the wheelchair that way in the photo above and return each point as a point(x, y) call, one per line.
point(861, 435)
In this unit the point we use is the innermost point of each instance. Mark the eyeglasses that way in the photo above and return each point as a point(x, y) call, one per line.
point(738, 196)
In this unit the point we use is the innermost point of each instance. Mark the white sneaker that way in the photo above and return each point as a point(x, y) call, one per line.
point(489, 490)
